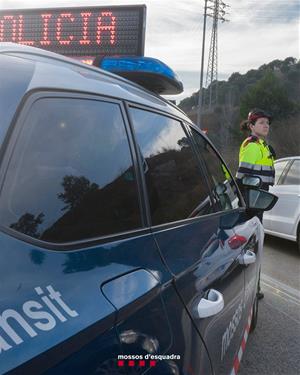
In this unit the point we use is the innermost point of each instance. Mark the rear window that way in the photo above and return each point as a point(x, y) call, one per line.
point(293, 175)
point(279, 168)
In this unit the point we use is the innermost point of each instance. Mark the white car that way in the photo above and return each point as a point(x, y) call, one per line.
point(283, 219)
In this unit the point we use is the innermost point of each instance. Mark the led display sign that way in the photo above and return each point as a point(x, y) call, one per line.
point(78, 32)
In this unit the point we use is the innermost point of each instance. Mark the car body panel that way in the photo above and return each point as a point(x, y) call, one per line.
point(283, 219)
point(15, 78)
point(200, 258)
point(77, 276)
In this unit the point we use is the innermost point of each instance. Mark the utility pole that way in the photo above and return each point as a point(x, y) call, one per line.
point(217, 12)
point(199, 112)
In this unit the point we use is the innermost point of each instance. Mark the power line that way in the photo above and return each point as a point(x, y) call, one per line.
point(216, 10)
point(217, 13)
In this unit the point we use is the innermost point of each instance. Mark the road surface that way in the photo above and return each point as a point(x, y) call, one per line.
point(274, 347)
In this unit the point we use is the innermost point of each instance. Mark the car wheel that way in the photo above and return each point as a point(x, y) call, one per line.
point(254, 312)
point(298, 238)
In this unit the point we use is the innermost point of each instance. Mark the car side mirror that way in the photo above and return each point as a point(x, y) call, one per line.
point(260, 200)
point(250, 181)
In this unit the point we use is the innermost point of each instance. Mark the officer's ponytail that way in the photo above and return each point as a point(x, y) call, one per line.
point(244, 125)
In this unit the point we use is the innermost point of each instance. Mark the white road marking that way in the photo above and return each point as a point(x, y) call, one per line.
point(280, 289)
point(280, 294)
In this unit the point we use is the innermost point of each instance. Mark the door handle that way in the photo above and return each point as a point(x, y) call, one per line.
point(211, 305)
point(248, 258)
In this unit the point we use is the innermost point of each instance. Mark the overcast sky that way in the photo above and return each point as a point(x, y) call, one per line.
point(258, 32)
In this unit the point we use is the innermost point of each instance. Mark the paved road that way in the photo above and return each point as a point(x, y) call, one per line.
point(274, 347)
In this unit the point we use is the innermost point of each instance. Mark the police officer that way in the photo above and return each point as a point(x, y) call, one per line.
point(256, 158)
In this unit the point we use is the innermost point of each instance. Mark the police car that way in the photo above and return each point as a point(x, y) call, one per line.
point(126, 246)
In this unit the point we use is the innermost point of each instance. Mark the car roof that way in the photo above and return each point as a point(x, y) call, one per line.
point(57, 72)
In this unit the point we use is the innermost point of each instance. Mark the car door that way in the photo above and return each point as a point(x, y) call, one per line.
point(187, 230)
point(284, 216)
point(240, 237)
point(76, 256)
point(172, 180)
point(281, 167)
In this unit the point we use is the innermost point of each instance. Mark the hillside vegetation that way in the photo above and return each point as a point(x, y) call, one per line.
point(274, 87)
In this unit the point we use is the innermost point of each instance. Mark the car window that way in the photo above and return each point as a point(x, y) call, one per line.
point(293, 175)
point(279, 167)
point(176, 187)
point(71, 175)
point(223, 187)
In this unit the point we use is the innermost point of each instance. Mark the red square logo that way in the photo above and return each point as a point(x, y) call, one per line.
point(131, 363)
point(152, 363)
point(142, 363)
point(120, 363)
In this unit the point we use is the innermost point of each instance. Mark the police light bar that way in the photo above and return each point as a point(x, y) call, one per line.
point(148, 72)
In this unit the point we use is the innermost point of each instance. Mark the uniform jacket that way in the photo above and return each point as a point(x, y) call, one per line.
point(256, 158)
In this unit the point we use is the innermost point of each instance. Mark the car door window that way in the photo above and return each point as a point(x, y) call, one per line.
point(71, 175)
point(176, 188)
point(293, 175)
point(223, 186)
point(279, 168)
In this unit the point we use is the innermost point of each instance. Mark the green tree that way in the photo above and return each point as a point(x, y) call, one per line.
point(269, 94)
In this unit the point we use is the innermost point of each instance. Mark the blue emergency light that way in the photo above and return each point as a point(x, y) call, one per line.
point(148, 72)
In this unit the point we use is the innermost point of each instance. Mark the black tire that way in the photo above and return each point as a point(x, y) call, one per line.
point(254, 313)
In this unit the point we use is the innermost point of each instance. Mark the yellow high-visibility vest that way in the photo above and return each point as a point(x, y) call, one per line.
point(256, 159)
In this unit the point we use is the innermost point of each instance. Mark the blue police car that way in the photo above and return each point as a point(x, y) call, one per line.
point(125, 245)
